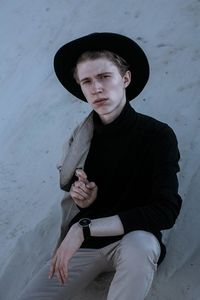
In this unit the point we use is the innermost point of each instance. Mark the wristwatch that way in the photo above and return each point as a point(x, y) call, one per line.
point(85, 224)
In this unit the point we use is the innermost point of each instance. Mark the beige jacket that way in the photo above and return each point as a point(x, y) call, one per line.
point(75, 154)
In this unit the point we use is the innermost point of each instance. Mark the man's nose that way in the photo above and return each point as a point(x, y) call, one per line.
point(96, 87)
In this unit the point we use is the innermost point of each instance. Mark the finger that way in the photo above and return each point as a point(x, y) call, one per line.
point(59, 277)
point(58, 271)
point(81, 174)
point(63, 266)
point(81, 190)
point(64, 272)
point(79, 184)
point(80, 194)
point(76, 196)
point(52, 267)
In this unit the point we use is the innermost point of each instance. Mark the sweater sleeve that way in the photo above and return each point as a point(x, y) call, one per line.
point(164, 202)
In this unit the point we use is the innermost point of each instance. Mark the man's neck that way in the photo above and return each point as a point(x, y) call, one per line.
point(110, 117)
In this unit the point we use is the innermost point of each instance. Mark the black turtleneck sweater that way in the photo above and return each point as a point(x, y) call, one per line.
point(134, 161)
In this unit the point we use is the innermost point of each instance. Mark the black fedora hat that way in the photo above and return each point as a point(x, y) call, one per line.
point(66, 58)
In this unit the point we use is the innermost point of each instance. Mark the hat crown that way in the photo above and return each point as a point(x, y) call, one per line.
point(67, 56)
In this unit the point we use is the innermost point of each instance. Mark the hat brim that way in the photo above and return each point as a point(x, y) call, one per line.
point(67, 56)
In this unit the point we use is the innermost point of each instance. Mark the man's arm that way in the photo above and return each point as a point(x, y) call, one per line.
point(68, 247)
point(108, 226)
point(84, 194)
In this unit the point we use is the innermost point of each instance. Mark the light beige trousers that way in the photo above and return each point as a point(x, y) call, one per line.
point(134, 259)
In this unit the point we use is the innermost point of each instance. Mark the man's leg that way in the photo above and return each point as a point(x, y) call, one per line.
point(135, 260)
point(84, 266)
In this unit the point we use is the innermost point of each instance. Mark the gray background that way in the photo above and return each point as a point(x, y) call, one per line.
point(37, 115)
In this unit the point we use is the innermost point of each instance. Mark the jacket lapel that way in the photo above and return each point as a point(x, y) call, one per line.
point(76, 151)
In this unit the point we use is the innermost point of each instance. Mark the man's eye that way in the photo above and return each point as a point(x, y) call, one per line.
point(86, 82)
point(105, 76)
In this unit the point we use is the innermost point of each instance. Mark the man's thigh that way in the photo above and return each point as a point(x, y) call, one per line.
point(135, 260)
point(84, 267)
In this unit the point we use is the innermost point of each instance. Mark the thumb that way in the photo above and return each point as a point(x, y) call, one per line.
point(91, 185)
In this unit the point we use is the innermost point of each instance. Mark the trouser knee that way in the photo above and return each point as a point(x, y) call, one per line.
point(139, 250)
point(135, 261)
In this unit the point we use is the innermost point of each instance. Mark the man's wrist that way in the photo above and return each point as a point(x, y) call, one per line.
point(85, 224)
point(77, 231)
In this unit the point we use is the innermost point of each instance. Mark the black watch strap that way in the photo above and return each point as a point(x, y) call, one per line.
point(85, 224)
point(86, 233)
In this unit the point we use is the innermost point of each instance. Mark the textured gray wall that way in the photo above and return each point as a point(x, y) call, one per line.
point(37, 115)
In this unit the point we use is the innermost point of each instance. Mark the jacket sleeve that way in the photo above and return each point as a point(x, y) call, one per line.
point(164, 200)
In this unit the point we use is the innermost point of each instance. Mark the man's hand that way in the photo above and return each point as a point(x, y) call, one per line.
point(82, 191)
point(70, 244)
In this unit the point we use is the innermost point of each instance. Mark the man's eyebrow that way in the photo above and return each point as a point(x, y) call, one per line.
point(85, 78)
point(98, 75)
point(104, 73)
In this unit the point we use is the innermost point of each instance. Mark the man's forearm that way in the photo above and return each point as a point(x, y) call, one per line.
point(109, 226)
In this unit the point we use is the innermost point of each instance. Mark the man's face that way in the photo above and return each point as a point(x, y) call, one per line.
point(103, 86)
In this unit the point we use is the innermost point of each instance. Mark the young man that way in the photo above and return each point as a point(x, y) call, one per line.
point(119, 173)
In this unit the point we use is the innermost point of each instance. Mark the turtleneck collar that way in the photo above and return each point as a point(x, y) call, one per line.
point(121, 123)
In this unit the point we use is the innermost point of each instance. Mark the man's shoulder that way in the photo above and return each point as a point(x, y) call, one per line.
point(154, 127)
point(150, 121)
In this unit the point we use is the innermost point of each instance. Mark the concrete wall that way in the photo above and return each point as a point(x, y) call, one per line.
point(37, 115)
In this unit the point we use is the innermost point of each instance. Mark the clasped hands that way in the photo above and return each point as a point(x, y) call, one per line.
point(83, 194)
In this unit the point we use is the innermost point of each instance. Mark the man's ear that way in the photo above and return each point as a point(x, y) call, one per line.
point(127, 78)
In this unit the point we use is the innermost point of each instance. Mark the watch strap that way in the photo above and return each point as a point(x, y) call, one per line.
point(85, 224)
point(86, 232)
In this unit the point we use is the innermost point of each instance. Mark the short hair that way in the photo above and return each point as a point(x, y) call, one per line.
point(117, 60)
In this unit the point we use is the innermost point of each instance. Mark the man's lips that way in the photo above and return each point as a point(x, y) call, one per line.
point(97, 101)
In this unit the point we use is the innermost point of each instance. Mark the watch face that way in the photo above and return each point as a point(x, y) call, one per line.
point(84, 222)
